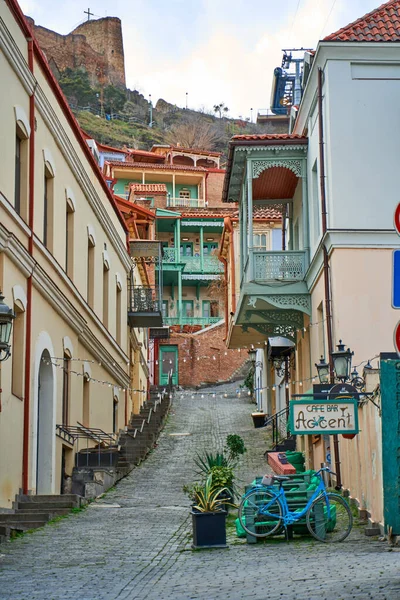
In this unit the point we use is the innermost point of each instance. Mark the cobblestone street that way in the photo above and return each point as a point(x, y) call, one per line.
point(135, 542)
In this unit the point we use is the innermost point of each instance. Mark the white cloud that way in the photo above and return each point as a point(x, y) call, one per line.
point(227, 68)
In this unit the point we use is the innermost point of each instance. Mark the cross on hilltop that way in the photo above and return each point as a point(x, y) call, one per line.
point(88, 13)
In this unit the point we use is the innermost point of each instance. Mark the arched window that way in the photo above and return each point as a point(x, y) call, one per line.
point(90, 266)
point(22, 134)
point(69, 232)
point(48, 201)
point(115, 414)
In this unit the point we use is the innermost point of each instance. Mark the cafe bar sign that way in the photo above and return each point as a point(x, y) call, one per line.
point(323, 416)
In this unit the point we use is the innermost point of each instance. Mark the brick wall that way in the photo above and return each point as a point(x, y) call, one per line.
point(215, 183)
point(95, 45)
point(204, 345)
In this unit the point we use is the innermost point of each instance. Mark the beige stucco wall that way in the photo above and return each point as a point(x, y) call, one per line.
point(59, 303)
point(363, 318)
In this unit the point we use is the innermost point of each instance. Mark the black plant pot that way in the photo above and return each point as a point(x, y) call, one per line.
point(209, 529)
point(259, 419)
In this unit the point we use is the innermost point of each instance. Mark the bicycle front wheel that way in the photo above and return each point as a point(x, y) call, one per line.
point(260, 513)
point(329, 518)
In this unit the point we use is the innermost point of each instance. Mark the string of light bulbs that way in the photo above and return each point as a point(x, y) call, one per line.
point(91, 379)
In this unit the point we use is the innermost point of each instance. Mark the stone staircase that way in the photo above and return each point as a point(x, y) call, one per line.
point(97, 469)
point(141, 434)
point(31, 512)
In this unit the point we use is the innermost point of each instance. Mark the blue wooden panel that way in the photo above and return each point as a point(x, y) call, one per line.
point(396, 279)
point(390, 393)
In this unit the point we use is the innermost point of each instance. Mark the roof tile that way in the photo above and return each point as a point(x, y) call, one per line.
point(153, 188)
point(162, 166)
point(264, 212)
point(270, 136)
point(380, 25)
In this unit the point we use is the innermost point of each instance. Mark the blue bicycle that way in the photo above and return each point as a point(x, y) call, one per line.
point(264, 511)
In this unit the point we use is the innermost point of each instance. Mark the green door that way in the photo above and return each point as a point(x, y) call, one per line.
point(187, 309)
point(168, 361)
point(187, 249)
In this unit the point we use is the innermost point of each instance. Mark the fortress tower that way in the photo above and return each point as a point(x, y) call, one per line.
point(95, 45)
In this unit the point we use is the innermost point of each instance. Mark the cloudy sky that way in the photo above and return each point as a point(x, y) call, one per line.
point(215, 50)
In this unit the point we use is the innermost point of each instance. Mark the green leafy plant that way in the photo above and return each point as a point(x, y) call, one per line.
point(249, 381)
point(209, 460)
point(235, 446)
point(223, 476)
point(207, 497)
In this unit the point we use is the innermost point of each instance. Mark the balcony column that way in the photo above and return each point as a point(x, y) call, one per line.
point(177, 239)
point(304, 211)
point(250, 269)
point(179, 296)
point(143, 178)
point(173, 189)
point(202, 249)
point(243, 230)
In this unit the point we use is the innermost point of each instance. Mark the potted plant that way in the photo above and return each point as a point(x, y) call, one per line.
point(223, 477)
point(208, 516)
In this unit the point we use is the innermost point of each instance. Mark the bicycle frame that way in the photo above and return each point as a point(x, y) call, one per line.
point(288, 517)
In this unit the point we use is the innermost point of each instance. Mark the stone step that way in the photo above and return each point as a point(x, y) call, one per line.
point(6, 518)
point(45, 505)
point(51, 498)
point(25, 525)
point(51, 511)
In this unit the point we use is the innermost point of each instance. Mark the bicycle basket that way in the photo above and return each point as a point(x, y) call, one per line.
point(267, 480)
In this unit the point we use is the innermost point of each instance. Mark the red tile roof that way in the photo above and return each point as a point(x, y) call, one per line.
point(112, 148)
point(264, 213)
point(206, 213)
point(133, 152)
point(153, 188)
point(184, 149)
point(380, 25)
point(270, 136)
point(141, 165)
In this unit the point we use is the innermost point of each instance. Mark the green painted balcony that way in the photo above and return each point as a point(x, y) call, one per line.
point(192, 264)
point(202, 321)
point(287, 266)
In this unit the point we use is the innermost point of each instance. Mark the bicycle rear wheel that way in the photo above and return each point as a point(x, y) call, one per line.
point(329, 518)
point(260, 513)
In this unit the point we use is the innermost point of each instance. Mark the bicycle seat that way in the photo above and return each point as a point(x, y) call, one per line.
point(281, 478)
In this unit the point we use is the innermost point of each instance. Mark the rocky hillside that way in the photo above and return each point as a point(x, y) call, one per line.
point(119, 117)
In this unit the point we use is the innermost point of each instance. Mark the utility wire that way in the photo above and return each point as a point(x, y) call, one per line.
point(295, 15)
point(327, 18)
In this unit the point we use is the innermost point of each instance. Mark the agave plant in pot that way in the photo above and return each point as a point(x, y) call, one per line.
point(208, 514)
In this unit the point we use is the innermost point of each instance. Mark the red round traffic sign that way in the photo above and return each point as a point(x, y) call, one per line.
point(396, 338)
point(397, 219)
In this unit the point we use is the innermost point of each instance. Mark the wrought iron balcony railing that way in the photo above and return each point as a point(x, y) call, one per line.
point(202, 321)
point(279, 266)
point(144, 306)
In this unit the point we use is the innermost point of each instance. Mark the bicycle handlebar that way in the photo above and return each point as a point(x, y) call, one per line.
point(327, 469)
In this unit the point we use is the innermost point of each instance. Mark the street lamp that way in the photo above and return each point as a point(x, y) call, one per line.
point(6, 319)
point(342, 361)
point(252, 355)
point(323, 370)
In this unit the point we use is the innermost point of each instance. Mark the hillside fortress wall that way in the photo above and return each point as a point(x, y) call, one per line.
point(95, 45)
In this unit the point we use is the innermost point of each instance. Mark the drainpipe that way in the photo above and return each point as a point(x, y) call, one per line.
point(328, 302)
point(284, 211)
point(25, 451)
